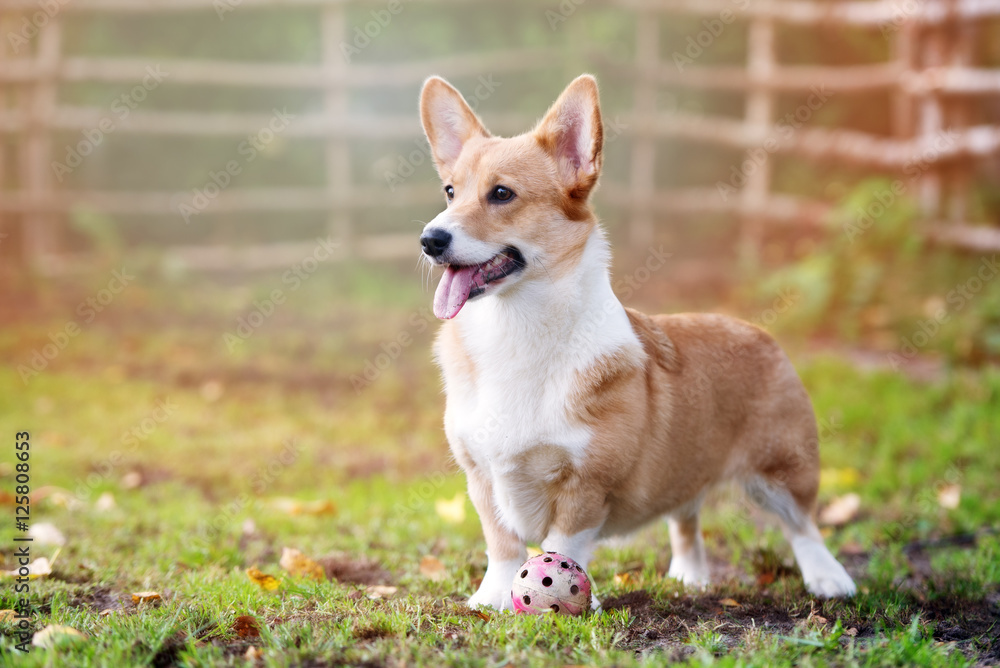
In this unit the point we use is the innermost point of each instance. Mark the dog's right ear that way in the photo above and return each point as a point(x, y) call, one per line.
point(448, 122)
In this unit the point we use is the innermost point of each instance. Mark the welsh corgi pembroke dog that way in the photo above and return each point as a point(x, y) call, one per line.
point(573, 417)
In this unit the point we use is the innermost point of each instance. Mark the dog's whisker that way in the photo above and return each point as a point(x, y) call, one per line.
point(540, 264)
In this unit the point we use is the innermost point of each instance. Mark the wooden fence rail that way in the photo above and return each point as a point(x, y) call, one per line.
point(931, 78)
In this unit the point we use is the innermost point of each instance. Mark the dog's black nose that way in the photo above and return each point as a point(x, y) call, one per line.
point(435, 241)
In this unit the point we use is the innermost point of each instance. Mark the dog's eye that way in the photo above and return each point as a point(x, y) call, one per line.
point(502, 194)
point(450, 192)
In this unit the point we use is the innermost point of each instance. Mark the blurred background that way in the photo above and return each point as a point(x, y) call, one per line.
point(214, 325)
point(223, 197)
point(846, 149)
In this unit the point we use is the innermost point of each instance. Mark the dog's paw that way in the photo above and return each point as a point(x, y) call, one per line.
point(834, 583)
point(690, 572)
point(823, 575)
point(494, 592)
point(491, 598)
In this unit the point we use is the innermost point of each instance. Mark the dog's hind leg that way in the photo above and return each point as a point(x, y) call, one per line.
point(823, 574)
point(688, 561)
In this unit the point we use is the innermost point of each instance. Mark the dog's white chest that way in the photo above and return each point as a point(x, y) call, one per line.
point(521, 409)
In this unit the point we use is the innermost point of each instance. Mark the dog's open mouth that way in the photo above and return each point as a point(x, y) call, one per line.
point(461, 283)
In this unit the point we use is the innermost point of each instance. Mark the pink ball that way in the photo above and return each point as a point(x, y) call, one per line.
point(551, 582)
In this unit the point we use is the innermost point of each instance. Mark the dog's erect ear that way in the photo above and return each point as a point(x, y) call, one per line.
point(572, 134)
point(448, 121)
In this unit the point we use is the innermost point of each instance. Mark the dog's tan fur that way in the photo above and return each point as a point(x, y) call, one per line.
point(701, 399)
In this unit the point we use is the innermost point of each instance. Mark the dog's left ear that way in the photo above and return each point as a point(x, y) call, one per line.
point(572, 133)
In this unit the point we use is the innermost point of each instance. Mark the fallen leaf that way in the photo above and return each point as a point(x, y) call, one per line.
point(57, 496)
point(253, 654)
point(51, 634)
point(299, 564)
point(211, 391)
point(730, 603)
point(106, 612)
point(265, 581)
point(246, 626)
point(949, 496)
point(132, 480)
point(46, 533)
point(623, 578)
point(105, 502)
point(432, 568)
point(853, 632)
point(841, 510)
point(376, 592)
point(764, 579)
point(296, 507)
point(40, 567)
point(451, 510)
point(838, 479)
point(482, 615)
point(7, 615)
point(145, 597)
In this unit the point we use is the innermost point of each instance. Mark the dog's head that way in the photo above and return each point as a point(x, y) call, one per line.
point(517, 208)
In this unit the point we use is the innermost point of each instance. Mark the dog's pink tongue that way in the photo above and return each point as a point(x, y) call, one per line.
point(453, 291)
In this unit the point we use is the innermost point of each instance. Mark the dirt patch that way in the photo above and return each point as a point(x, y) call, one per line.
point(348, 570)
point(101, 599)
point(665, 625)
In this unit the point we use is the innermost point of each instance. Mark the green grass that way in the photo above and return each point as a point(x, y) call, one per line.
point(280, 418)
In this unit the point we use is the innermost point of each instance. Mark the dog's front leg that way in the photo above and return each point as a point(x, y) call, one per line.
point(505, 550)
point(578, 522)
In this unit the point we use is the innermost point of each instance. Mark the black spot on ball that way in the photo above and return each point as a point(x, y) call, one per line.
point(578, 568)
point(546, 582)
point(574, 590)
point(526, 599)
point(524, 574)
point(547, 559)
point(555, 608)
point(564, 565)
